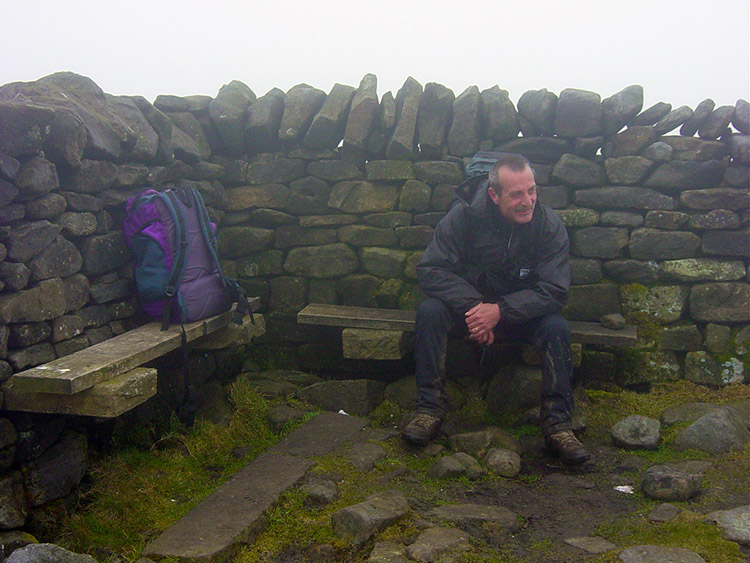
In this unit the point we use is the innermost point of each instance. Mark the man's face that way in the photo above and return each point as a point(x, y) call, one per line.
point(517, 196)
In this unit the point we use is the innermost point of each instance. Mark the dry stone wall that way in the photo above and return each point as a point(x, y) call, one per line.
point(331, 197)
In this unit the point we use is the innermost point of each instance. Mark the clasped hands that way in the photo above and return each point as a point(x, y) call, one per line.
point(481, 320)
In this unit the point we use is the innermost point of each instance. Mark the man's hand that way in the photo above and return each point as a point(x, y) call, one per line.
point(481, 320)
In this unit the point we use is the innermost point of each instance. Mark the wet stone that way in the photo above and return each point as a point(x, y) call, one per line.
point(503, 462)
point(591, 544)
point(734, 523)
point(636, 432)
point(439, 544)
point(661, 482)
point(320, 493)
point(364, 456)
point(447, 467)
point(654, 553)
point(663, 512)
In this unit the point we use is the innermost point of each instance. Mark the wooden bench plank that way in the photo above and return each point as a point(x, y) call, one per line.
point(107, 399)
point(395, 319)
point(84, 369)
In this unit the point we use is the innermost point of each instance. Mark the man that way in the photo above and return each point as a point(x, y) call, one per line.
point(498, 267)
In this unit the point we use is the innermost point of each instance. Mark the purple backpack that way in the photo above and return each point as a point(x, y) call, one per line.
point(177, 271)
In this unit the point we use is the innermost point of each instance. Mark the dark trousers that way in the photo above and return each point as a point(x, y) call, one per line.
point(549, 334)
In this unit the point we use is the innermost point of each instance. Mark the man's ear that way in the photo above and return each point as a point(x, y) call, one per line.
point(493, 196)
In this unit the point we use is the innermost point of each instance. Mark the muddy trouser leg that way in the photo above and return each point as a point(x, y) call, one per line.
point(551, 337)
point(434, 322)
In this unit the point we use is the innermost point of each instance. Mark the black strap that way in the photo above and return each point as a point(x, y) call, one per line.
point(173, 205)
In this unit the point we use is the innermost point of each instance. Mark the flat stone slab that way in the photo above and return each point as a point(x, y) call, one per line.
point(321, 435)
point(396, 319)
point(591, 544)
point(107, 399)
point(84, 369)
point(232, 514)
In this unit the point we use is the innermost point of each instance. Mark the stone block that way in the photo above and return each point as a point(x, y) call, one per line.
point(434, 118)
point(463, 136)
point(374, 344)
point(327, 127)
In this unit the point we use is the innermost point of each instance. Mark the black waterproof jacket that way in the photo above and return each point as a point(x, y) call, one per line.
point(476, 255)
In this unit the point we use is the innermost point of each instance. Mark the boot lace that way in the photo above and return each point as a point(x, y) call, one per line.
point(424, 421)
point(567, 439)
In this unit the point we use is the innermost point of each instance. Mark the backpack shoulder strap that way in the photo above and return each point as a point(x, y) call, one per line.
point(236, 293)
point(178, 267)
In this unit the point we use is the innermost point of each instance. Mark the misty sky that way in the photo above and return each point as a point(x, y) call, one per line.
point(681, 51)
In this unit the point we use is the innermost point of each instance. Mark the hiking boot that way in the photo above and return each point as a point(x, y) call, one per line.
point(566, 446)
point(423, 428)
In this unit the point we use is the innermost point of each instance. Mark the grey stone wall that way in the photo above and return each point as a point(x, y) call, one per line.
point(331, 197)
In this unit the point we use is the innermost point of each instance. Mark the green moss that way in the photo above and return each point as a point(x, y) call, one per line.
point(688, 530)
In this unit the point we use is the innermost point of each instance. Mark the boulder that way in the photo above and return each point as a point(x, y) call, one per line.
point(621, 108)
point(577, 172)
point(498, 114)
point(146, 138)
point(505, 463)
point(57, 471)
point(36, 176)
point(702, 269)
point(741, 119)
point(579, 114)
point(720, 302)
point(301, 104)
point(463, 136)
point(362, 118)
point(536, 112)
point(734, 523)
point(439, 544)
point(327, 127)
point(663, 482)
point(363, 197)
point(434, 119)
point(403, 142)
point(653, 244)
point(60, 259)
point(716, 123)
point(599, 242)
point(636, 432)
point(652, 114)
point(228, 111)
point(160, 123)
point(103, 253)
point(632, 141)
point(716, 198)
point(627, 170)
point(108, 137)
point(672, 120)
point(663, 303)
point(703, 368)
point(47, 552)
point(680, 175)
point(359, 522)
point(263, 122)
point(726, 243)
point(701, 112)
point(716, 432)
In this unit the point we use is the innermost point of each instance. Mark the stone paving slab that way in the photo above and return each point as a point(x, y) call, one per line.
point(234, 513)
point(321, 435)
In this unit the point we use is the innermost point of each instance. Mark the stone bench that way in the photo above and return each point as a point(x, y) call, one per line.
point(385, 329)
point(105, 380)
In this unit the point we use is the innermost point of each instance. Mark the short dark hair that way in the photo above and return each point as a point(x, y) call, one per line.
point(514, 161)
